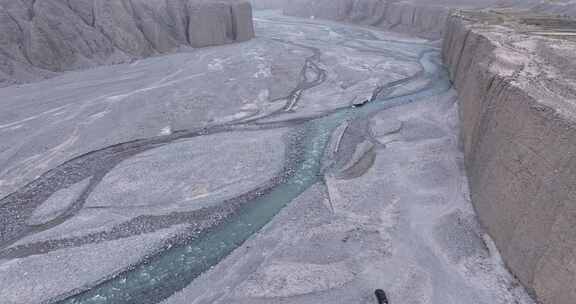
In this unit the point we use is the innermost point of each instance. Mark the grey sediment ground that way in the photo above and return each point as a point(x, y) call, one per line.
point(201, 253)
point(17, 207)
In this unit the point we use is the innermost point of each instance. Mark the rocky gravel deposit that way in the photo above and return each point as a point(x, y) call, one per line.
point(39, 39)
point(516, 74)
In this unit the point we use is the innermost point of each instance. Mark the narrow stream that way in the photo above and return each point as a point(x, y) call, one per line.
point(173, 269)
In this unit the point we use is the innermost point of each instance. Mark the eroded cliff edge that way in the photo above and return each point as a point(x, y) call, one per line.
point(516, 80)
point(41, 38)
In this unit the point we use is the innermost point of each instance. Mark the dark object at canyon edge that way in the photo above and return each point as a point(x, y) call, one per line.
point(381, 296)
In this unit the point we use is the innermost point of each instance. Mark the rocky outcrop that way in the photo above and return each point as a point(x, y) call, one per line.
point(516, 76)
point(41, 38)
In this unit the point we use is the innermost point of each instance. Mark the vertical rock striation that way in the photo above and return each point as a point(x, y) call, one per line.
point(423, 19)
point(518, 122)
point(41, 38)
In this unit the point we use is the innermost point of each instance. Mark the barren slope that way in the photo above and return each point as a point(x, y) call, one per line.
point(38, 39)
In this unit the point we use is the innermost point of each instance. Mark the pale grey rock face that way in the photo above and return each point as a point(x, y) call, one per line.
point(515, 79)
point(242, 21)
point(420, 17)
point(41, 38)
point(424, 18)
point(212, 22)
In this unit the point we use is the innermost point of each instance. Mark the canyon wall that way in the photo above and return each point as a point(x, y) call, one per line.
point(424, 18)
point(41, 38)
point(517, 91)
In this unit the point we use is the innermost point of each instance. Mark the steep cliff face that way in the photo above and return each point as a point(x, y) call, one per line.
point(518, 119)
point(421, 17)
point(40, 38)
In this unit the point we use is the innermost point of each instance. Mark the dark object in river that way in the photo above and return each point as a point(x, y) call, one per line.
point(360, 103)
point(381, 296)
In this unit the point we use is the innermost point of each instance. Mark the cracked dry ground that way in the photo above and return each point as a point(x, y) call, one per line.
point(313, 164)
